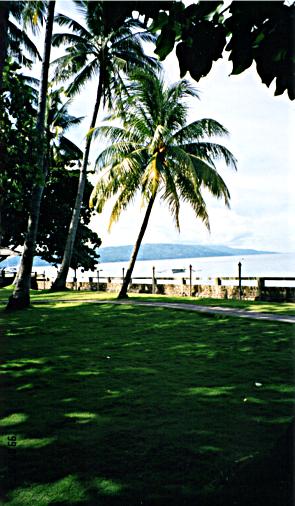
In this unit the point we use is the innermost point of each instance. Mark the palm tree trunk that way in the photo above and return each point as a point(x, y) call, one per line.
point(60, 282)
point(127, 279)
point(4, 15)
point(21, 295)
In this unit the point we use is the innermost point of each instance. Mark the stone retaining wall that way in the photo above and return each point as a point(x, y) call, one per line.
point(215, 291)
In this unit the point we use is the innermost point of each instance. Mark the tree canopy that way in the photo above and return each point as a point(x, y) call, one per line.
point(261, 32)
point(17, 174)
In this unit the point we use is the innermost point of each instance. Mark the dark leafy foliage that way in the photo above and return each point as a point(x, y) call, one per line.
point(17, 174)
point(55, 215)
point(260, 32)
point(17, 146)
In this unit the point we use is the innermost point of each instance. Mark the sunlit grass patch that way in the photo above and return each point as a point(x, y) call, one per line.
point(24, 442)
point(13, 419)
point(82, 417)
point(210, 391)
point(107, 487)
point(68, 489)
point(39, 296)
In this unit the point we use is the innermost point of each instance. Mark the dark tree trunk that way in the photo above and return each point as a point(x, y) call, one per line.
point(21, 295)
point(127, 278)
point(60, 282)
point(4, 15)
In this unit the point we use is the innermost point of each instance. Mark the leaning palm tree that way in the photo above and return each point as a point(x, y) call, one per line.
point(157, 154)
point(108, 50)
point(21, 294)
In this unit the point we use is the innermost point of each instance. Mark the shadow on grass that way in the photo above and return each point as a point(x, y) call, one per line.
point(131, 405)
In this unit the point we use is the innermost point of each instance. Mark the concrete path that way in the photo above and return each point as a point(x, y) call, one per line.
point(219, 310)
point(228, 311)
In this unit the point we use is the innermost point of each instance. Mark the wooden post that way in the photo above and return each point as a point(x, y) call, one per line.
point(123, 274)
point(240, 280)
point(153, 281)
point(44, 284)
point(98, 280)
point(190, 280)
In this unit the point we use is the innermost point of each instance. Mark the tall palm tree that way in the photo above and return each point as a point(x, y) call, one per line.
point(21, 294)
point(104, 49)
point(156, 153)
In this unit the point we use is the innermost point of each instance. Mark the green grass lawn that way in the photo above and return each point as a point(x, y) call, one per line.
point(285, 308)
point(129, 405)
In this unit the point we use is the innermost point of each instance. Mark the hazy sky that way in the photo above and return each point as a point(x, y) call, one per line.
point(262, 204)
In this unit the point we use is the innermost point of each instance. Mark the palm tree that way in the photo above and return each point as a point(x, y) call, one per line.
point(21, 294)
point(108, 50)
point(14, 39)
point(156, 153)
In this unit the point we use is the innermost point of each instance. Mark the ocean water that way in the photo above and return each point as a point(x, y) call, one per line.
point(264, 265)
point(281, 264)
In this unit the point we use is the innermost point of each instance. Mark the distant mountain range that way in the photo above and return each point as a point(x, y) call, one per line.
point(151, 252)
point(14, 261)
point(167, 251)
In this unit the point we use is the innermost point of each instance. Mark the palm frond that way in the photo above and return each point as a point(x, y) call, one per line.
point(71, 148)
point(114, 155)
point(199, 129)
point(209, 151)
point(109, 132)
point(66, 66)
point(181, 90)
point(31, 81)
point(170, 195)
point(87, 72)
point(126, 196)
point(21, 38)
point(179, 161)
point(63, 20)
point(68, 39)
point(82, 7)
point(210, 179)
point(192, 194)
point(33, 14)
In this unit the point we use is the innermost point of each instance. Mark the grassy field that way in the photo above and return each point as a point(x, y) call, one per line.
point(130, 405)
point(286, 308)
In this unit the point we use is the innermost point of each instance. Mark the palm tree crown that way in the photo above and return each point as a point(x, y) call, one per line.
point(157, 153)
point(99, 48)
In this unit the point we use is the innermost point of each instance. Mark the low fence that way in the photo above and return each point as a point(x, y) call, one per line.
point(246, 288)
